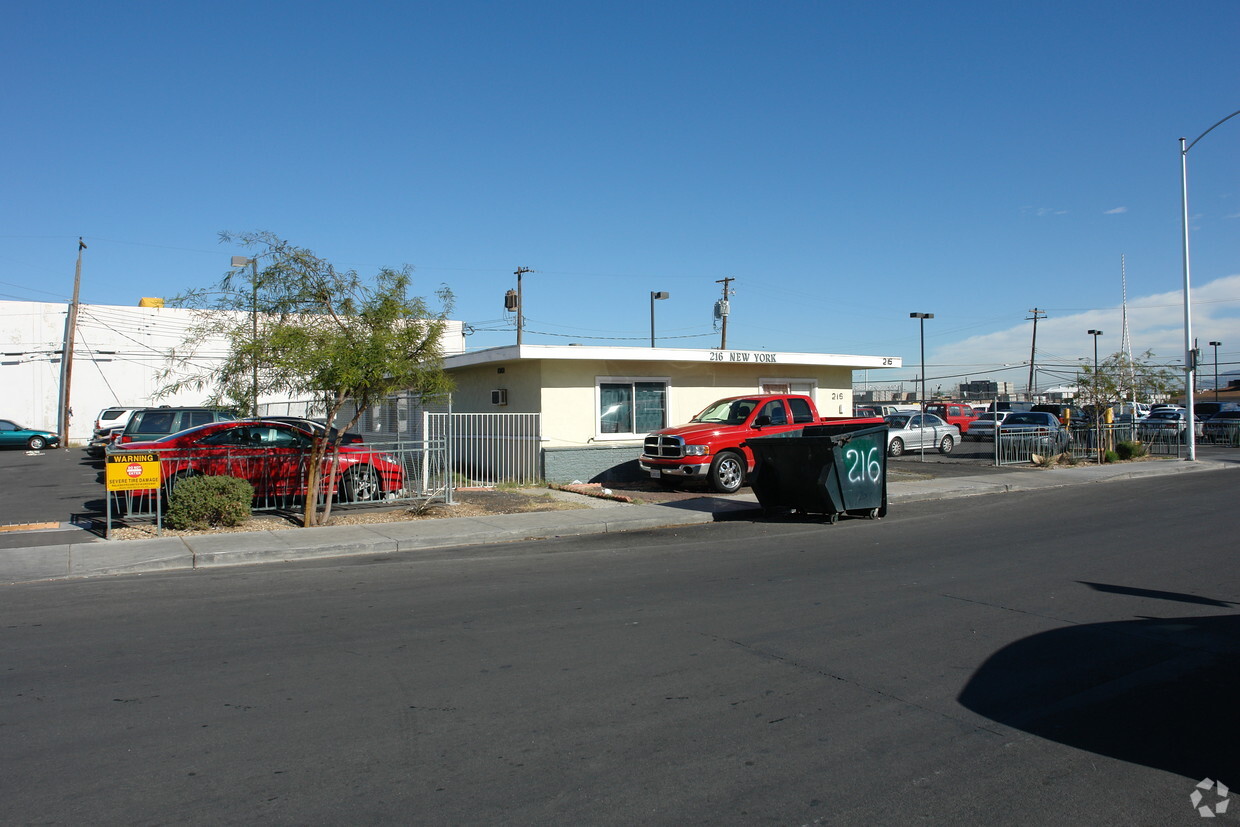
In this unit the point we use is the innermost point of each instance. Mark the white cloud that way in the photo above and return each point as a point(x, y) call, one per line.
point(1155, 323)
point(1043, 211)
point(1116, 211)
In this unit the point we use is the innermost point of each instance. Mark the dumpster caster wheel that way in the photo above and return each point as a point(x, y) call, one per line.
point(873, 515)
point(833, 517)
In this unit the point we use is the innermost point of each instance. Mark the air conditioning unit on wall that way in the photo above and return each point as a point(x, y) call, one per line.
point(499, 397)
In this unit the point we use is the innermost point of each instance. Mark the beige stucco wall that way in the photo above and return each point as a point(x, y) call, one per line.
point(565, 390)
point(474, 384)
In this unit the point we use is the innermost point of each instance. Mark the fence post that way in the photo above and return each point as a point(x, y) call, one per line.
point(451, 432)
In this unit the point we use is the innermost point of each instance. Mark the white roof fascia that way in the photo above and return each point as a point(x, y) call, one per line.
point(512, 353)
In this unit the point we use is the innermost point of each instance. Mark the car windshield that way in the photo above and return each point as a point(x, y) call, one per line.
point(188, 432)
point(1165, 415)
point(1026, 419)
point(727, 412)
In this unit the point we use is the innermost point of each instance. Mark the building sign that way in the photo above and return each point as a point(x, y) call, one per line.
point(750, 356)
point(133, 472)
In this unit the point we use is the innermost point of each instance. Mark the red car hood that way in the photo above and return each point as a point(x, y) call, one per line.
point(694, 429)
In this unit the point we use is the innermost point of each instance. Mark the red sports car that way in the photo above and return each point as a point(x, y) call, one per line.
point(272, 456)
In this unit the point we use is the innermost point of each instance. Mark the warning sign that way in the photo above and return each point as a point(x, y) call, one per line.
point(133, 472)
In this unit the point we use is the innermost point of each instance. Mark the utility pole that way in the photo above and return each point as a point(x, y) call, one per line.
point(1033, 350)
point(520, 271)
point(723, 309)
point(66, 352)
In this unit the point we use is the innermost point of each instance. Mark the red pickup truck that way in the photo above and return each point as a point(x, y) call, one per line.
point(956, 413)
point(710, 447)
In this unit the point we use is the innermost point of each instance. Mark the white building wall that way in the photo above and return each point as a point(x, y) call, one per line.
point(118, 356)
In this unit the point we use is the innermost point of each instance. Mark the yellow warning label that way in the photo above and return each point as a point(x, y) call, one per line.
point(133, 472)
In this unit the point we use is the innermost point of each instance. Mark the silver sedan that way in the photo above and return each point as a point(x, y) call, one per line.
point(909, 431)
point(983, 428)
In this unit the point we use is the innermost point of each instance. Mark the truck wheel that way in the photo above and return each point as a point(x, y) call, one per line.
point(727, 473)
point(945, 447)
point(896, 447)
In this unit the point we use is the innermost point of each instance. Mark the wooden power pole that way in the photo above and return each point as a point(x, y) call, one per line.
point(66, 351)
point(1033, 350)
point(724, 310)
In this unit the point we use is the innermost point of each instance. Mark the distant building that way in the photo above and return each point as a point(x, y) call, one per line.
point(986, 389)
point(873, 395)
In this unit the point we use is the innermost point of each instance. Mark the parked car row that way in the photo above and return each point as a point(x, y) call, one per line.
point(271, 455)
point(907, 431)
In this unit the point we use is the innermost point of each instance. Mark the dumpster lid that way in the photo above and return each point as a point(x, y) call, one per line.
point(843, 431)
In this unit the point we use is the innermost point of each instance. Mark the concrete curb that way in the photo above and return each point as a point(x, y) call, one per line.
point(249, 548)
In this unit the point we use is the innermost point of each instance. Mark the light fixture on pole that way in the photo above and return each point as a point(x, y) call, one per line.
point(1215, 345)
point(241, 261)
point(662, 294)
point(1097, 397)
point(921, 317)
point(1190, 355)
point(921, 321)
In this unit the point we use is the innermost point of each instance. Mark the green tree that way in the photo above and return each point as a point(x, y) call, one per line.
point(301, 329)
point(1121, 379)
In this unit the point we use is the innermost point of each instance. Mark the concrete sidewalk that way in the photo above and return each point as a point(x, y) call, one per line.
point(92, 559)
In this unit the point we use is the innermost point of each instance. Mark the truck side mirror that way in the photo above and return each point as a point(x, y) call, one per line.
point(762, 421)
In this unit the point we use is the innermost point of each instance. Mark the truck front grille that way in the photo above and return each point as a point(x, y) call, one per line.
point(666, 447)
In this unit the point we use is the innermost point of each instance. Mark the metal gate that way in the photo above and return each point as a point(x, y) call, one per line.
point(489, 448)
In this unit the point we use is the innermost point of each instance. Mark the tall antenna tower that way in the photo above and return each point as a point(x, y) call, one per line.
point(1126, 342)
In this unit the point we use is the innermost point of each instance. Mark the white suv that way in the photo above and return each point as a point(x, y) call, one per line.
point(108, 423)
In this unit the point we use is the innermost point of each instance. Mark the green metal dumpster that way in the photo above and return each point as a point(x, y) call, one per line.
point(827, 469)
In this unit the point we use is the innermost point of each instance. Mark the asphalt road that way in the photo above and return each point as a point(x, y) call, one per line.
point(1063, 657)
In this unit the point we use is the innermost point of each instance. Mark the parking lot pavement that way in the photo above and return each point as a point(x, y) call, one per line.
point(61, 485)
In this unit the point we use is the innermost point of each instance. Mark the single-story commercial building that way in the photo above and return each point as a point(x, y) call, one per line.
point(596, 404)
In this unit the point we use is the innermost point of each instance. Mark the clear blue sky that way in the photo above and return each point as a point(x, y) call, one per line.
point(846, 163)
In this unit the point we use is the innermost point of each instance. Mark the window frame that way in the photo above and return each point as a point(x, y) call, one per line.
point(632, 381)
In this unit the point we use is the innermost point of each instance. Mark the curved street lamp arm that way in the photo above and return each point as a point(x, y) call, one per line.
point(1211, 129)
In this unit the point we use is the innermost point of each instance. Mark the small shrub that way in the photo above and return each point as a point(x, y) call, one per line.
point(1129, 450)
point(204, 502)
point(1110, 456)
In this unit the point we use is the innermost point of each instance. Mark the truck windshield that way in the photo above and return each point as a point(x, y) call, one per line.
point(728, 412)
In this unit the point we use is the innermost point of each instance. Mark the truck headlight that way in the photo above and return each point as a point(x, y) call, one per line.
point(697, 450)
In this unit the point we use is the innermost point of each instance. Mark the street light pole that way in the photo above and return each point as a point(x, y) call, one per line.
point(662, 294)
point(1190, 361)
point(241, 261)
point(1215, 346)
point(921, 322)
point(921, 317)
point(1097, 398)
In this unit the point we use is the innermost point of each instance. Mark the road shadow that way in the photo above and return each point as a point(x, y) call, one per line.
point(1160, 692)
